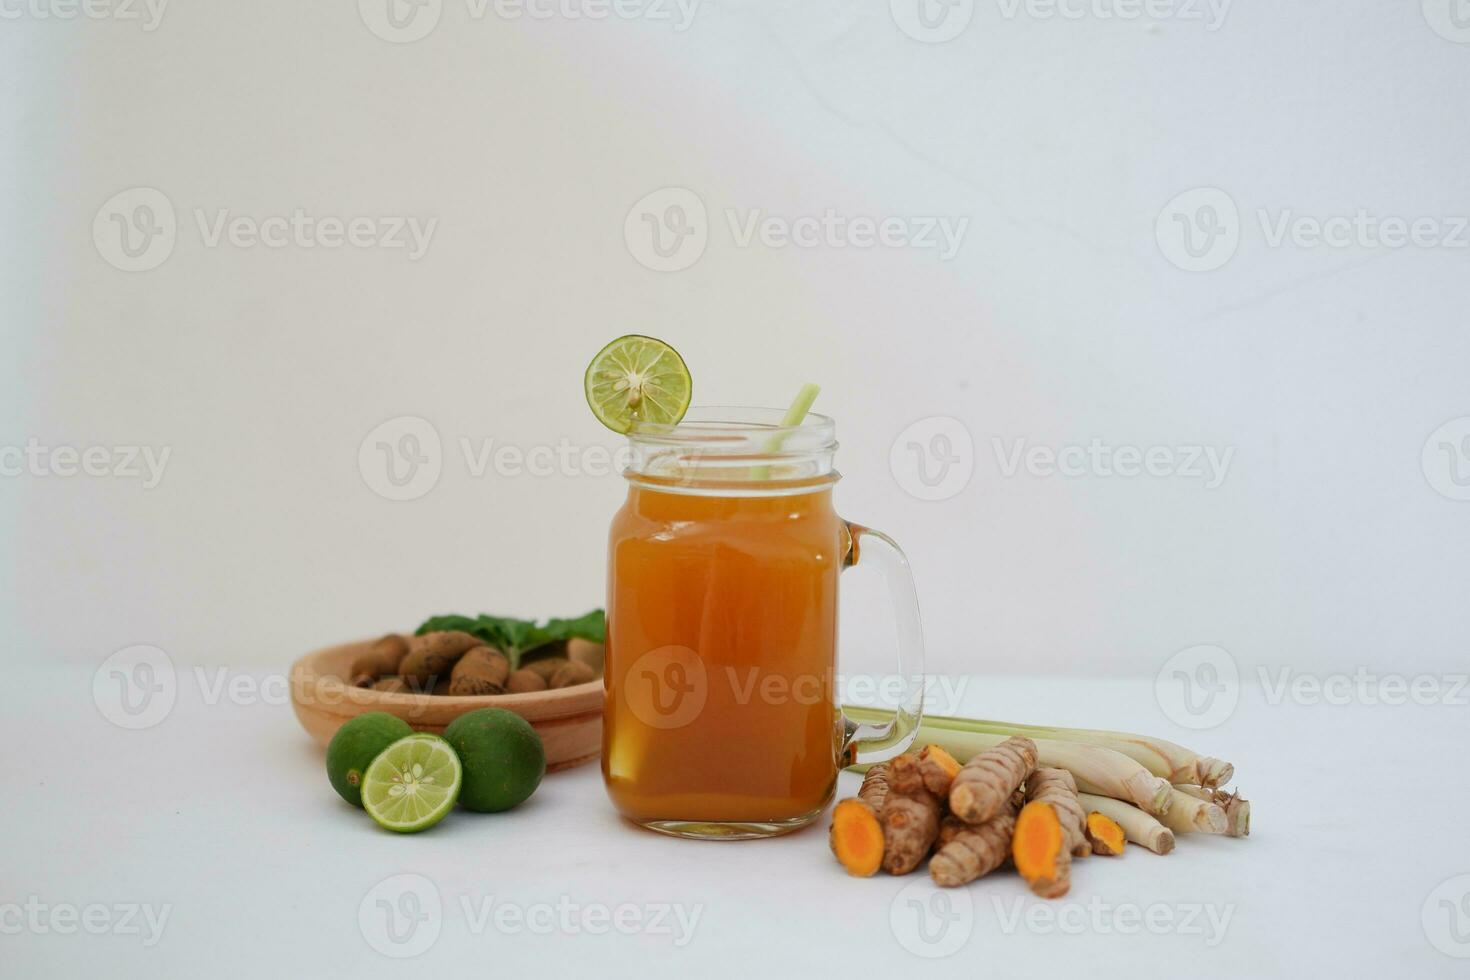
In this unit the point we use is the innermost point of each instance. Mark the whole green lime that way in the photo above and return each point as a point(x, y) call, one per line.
point(356, 745)
point(502, 757)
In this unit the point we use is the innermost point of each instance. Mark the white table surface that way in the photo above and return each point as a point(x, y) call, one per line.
point(222, 815)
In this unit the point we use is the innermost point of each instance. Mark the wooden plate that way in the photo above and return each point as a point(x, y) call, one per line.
point(569, 720)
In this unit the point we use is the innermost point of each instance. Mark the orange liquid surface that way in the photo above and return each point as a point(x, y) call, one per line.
point(721, 645)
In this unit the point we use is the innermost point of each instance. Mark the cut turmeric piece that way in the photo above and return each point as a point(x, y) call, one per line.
point(980, 789)
point(1057, 787)
point(1106, 836)
point(939, 769)
point(1040, 852)
point(856, 836)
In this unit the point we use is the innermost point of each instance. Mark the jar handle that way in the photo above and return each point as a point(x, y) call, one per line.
point(864, 742)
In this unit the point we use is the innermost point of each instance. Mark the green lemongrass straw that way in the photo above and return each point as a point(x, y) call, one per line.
point(800, 405)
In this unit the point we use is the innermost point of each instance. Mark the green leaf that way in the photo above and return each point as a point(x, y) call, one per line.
point(515, 637)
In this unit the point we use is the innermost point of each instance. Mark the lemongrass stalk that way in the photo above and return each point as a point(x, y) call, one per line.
point(1159, 756)
point(795, 413)
point(1192, 815)
point(1095, 768)
point(1237, 809)
point(1138, 826)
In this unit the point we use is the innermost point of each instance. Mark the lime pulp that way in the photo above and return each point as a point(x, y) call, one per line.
point(637, 378)
point(412, 783)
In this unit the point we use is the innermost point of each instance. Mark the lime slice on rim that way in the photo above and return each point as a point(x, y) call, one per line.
point(412, 783)
point(637, 378)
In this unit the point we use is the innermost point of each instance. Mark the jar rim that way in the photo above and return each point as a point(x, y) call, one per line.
point(739, 450)
point(739, 429)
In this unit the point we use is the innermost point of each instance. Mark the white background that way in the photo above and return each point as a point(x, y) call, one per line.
point(1059, 320)
point(1334, 543)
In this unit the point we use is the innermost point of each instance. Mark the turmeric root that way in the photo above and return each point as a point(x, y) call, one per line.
point(1057, 787)
point(1237, 810)
point(939, 769)
point(980, 790)
point(431, 657)
point(949, 828)
point(1139, 827)
point(380, 660)
point(1039, 850)
point(482, 670)
point(856, 834)
point(1106, 836)
point(875, 786)
point(968, 852)
point(910, 817)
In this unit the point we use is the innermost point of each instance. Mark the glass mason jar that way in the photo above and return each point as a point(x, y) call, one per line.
point(721, 717)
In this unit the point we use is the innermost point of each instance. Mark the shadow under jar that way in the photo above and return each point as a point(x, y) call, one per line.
point(721, 718)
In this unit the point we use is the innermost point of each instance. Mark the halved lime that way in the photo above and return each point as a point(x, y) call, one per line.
point(637, 378)
point(412, 783)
